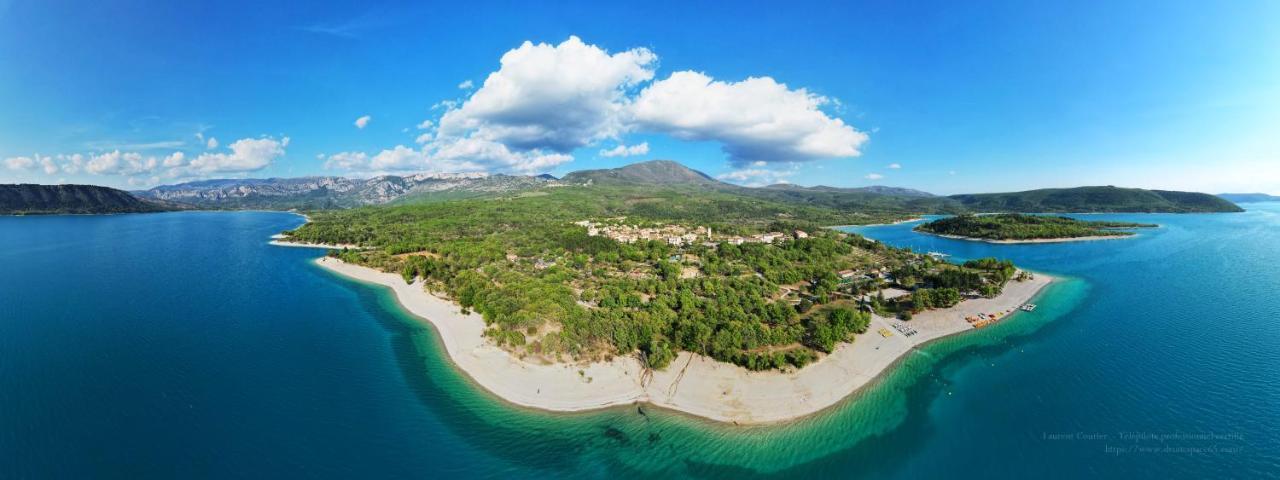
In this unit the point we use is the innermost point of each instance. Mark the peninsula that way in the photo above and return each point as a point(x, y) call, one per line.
point(1021, 228)
point(607, 293)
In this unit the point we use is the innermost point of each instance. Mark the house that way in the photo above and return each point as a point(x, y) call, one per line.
point(801, 234)
point(770, 237)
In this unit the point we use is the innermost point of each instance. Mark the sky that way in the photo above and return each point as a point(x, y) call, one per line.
point(947, 97)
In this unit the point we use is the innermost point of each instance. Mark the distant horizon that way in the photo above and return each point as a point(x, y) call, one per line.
point(933, 96)
point(561, 176)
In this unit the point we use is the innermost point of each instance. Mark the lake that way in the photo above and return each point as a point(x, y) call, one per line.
point(182, 345)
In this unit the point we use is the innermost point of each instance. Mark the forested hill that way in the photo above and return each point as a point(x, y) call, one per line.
point(660, 172)
point(1248, 197)
point(902, 201)
point(29, 199)
point(1095, 199)
point(1017, 226)
point(868, 200)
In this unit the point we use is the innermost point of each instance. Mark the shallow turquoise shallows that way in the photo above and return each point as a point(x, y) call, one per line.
point(181, 345)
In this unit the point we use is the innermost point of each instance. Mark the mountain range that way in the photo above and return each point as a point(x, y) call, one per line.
point(318, 193)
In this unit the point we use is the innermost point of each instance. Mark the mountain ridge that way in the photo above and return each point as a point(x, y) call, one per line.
point(665, 172)
point(1248, 197)
point(327, 192)
point(333, 192)
point(33, 199)
point(1095, 199)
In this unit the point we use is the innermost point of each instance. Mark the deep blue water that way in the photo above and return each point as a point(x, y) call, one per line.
point(1179, 334)
point(181, 345)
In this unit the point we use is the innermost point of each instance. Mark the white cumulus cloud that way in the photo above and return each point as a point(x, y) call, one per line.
point(626, 151)
point(351, 161)
point(456, 155)
point(121, 163)
point(756, 177)
point(545, 101)
point(19, 163)
point(48, 165)
point(72, 164)
point(211, 144)
point(467, 85)
point(895, 166)
point(874, 176)
point(363, 121)
point(175, 159)
point(551, 97)
point(246, 155)
point(757, 119)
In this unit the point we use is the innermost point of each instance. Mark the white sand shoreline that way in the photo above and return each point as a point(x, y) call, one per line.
point(899, 222)
point(281, 240)
point(693, 384)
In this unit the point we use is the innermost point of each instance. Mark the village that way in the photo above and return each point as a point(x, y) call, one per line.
point(881, 287)
point(678, 235)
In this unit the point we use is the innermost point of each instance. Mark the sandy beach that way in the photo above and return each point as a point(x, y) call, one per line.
point(693, 384)
point(281, 240)
point(909, 220)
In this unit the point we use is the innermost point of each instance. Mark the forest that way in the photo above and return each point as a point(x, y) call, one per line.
point(1017, 226)
point(549, 290)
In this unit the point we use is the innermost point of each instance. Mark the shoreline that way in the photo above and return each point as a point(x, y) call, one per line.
point(1032, 240)
point(281, 240)
point(693, 384)
point(909, 220)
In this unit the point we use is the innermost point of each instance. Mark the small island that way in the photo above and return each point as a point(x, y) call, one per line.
point(1022, 228)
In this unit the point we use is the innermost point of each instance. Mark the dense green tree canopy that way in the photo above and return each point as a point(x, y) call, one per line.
point(547, 287)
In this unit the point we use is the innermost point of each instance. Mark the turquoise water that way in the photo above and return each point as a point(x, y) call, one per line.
point(181, 345)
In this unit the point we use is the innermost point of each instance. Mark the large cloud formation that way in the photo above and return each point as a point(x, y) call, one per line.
point(245, 155)
point(554, 98)
point(545, 101)
point(757, 119)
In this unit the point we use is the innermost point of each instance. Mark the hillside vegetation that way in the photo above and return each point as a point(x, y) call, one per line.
point(550, 286)
point(1014, 226)
point(324, 193)
point(1095, 199)
point(1248, 197)
point(28, 199)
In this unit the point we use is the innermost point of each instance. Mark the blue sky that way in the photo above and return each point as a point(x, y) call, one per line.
point(941, 96)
